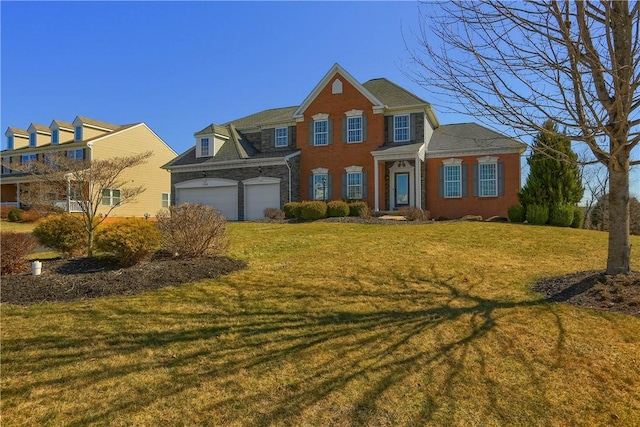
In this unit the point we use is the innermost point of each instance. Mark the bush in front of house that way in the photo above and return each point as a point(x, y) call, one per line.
point(515, 213)
point(62, 233)
point(193, 230)
point(31, 215)
point(128, 240)
point(15, 215)
point(14, 248)
point(274, 213)
point(359, 209)
point(290, 209)
point(412, 213)
point(313, 209)
point(578, 217)
point(561, 215)
point(337, 208)
point(537, 214)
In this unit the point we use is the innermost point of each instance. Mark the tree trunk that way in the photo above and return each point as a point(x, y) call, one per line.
point(90, 244)
point(618, 260)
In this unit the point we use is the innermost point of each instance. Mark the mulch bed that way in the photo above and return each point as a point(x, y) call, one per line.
point(594, 289)
point(86, 278)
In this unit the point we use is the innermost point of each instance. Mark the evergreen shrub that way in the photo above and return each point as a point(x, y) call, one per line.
point(537, 214)
point(337, 208)
point(561, 215)
point(290, 210)
point(578, 217)
point(314, 209)
point(63, 233)
point(129, 240)
point(15, 215)
point(358, 209)
point(516, 213)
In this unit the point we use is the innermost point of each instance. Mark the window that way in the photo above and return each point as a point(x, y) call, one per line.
point(204, 147)
point(354, 129)
point(354, 185)
point(488, 179)
point(110, 197)
point(26, 158)
point(282, 137)
point(320, 186)
point(165, 200)
point(321, 132)
point(7, 161)
point(76, 154)
point(32, 139)
point(10, 142)
point(452, 181)
point(78, 133)
point(401, 128)
point(55, 136)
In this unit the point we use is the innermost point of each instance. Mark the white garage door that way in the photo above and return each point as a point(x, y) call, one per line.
point(221, 194)
point(259, 194)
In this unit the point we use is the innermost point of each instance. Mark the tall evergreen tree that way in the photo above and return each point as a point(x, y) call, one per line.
point(554, 178)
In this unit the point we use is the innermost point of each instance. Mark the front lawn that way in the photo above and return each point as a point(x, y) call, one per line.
point(338, 324)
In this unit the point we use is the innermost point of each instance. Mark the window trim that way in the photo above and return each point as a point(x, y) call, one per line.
point(481, 180)
point(358, 130)
point(449, 165)
point(396, 128)
point(73, 154)
point(29, 158)
point(280, 138)
point(202, 142)
point(317, 133)
point(355, 186)
point(110, 197)
point(33, 140)
point(77, 133)
point(10, 142)
point(55, 136)
point(162, 200)
point(318, 185)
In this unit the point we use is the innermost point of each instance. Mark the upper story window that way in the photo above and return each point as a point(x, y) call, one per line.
point(282, 139)
point(401, 128)
point(55, 136)
point(10, 142)
point(76, 154)
point(205, 147)
point(354, 129)
point(32, 139)
point(77, 135)
point(26, 158)
point(321, 132)
point(110, 197)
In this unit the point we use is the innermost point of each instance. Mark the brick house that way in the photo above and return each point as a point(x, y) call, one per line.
point(372, 141)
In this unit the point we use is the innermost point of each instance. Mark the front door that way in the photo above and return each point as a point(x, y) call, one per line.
point(402, 189)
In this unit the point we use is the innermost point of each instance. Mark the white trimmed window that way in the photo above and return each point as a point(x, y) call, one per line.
point(354, 185)
point(488, 179)
point(10, 142)
point(282, 139)
point(32, 139)
point(76, 154)
point(110, 197)
point(26, 158)
point(165, 200)
point(354, 129)
point(55, 136)
point(77, 135)
point(401, 128)
point(321, 132)
point(320, 186)
point(453, 180)
point(204, 147)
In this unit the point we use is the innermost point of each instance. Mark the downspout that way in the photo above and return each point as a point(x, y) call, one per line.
point(286, 162)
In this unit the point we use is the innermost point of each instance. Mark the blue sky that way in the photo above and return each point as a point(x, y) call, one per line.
point(179, 66)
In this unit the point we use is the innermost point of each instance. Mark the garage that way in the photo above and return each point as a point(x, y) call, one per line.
point(221, 194)
point(260, 193)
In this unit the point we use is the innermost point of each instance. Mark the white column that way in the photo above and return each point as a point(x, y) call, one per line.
point(18, 194)
point(376, 185)
point(418, 183)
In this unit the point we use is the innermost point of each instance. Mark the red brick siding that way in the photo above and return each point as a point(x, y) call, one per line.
point(472, 205)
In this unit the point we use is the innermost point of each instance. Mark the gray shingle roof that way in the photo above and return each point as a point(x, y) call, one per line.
point(215, 129)
point(392, 95)
point(470, 136)
point(97, 123)
point(274, 115)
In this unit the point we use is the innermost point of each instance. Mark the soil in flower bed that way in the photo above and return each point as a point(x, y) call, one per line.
point(85, 278)
point(594, 289)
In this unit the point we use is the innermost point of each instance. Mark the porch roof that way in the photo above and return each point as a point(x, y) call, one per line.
point(399, 152)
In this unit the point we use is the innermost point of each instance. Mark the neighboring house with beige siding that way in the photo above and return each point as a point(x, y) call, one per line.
point(91, 140)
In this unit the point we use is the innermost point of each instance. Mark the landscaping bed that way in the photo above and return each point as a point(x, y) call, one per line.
point(85, 278)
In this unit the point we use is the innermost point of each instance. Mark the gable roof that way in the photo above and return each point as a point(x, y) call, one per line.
point(40, 128)
point(470, 137)
point(96, 123)
point(17, 131)
point(266, 117)
point(392, 95)
point(336, 69)
point(62, 124)
point(213, 129)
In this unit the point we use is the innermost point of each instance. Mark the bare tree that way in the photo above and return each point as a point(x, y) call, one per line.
point(596, 182)
point(83, 183)
point(519, 64)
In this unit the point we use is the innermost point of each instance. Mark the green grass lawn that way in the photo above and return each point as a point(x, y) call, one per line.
point(338, 324)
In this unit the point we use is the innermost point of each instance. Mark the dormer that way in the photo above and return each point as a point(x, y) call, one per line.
point(210, 139)
point(16, 138)
point(38, 135)
point(85, 128)
point(61, 132)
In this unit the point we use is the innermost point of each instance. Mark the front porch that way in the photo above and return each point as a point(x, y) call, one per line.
point(10, 196)
point(403, 167)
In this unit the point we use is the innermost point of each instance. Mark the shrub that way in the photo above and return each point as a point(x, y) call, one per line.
point(289, 209)
point(358, 209)
point(15, 214)
point(537, 214)
point(516, 213)
point(129, 240)
point(414, 214)
point(578, 217)
point(14, 247)
point(193, 231)
point(337, 208)
point(63, 233)
point(314, 209)
point(4, 211)
point(273, 213)
point(31, 215)
point(561, 215)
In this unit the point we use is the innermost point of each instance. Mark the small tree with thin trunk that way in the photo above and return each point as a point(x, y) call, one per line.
point(83, 183)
